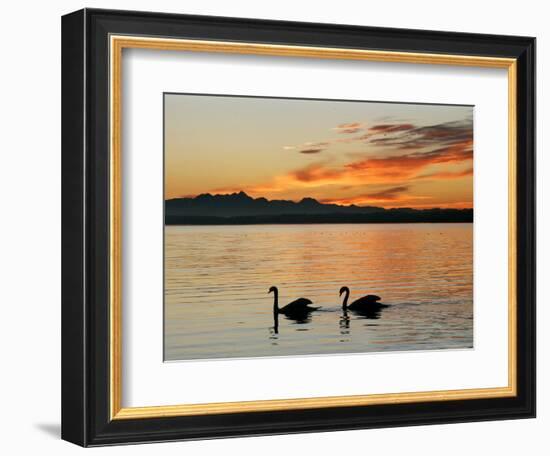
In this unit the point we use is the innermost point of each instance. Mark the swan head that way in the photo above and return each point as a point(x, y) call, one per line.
point(343, 290)
point(273, 290)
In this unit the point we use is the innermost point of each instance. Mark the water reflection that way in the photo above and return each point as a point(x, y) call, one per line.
point(345, 318)
point(371, 314)
point(296, 318)
point(430, 291)
point(345, 322)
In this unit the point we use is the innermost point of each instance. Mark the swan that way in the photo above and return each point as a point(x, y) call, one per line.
point(295, 309)
point(368, 302)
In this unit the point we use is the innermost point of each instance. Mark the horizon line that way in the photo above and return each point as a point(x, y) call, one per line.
point(242, 192)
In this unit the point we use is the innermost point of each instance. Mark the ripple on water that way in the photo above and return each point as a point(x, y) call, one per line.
point(217, 278)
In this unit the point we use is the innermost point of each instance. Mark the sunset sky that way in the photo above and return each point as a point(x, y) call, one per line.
point(363, 153)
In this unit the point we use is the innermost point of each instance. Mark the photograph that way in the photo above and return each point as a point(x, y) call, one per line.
point(316, 227)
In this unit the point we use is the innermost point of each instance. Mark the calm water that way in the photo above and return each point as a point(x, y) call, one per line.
point(217, 279)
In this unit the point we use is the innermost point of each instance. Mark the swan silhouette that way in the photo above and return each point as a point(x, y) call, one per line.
point(295, 310)
point(366, 303)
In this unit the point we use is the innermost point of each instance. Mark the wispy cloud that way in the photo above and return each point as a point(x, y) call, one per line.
point(409, 137)
point(391, 128)
point(311, 151)
point(391, 193)
point(448, 174)
point(349, 128)
point(396, 135)
point(313, 147)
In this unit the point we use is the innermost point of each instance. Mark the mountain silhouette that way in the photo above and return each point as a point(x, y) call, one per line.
point(240, 208)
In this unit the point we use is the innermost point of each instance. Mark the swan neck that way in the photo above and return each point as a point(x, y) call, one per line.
point(346, 297)
point(275, 301)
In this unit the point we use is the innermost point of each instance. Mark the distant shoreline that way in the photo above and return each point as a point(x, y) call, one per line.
point(456, 216)
point(241, 209)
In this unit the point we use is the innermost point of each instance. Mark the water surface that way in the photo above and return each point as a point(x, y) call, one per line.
point(217, 279)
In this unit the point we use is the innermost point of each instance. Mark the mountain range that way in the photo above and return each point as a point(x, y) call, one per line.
point(240, 208)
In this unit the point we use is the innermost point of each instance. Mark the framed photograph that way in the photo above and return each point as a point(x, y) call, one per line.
point(278, 227)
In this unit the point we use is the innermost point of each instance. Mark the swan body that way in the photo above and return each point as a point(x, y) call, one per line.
point(368, 302)
point(298, 307)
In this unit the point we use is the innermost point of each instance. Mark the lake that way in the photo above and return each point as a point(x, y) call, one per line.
point(217, 279)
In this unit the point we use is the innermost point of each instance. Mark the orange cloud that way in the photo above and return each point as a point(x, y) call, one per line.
point(406, 165)
point(448, 174)
point(389, 194)
point(385, 200)
point(314, 173)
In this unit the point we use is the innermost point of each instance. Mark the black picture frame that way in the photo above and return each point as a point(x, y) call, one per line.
point(85, 223)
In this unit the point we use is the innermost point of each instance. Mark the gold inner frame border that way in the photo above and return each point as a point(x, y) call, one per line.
point(117, 44)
